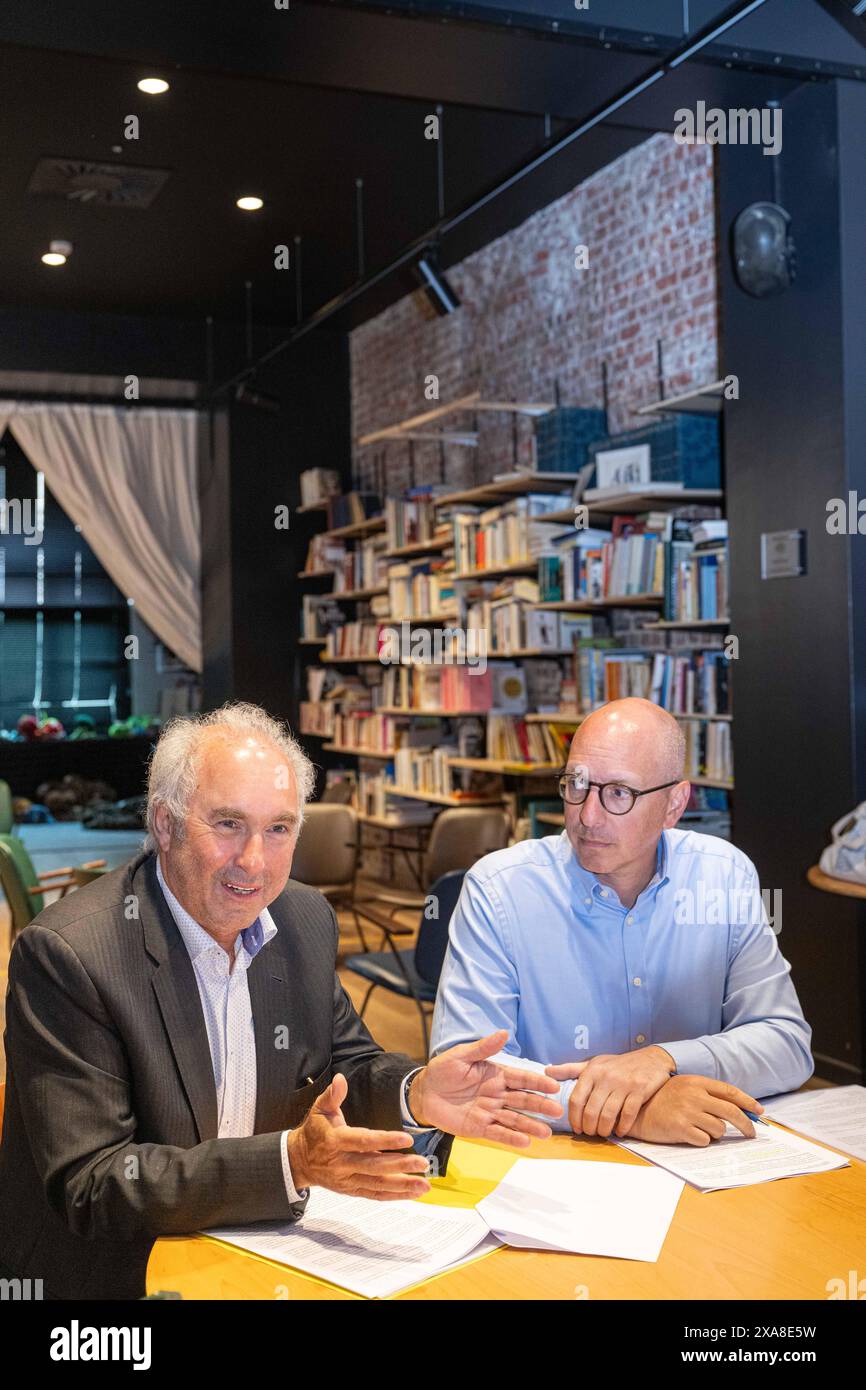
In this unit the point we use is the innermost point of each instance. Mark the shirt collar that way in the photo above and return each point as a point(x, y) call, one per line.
point(587, 882)
point(197, 940)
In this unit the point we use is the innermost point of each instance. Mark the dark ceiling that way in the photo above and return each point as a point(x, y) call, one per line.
point(295, 113)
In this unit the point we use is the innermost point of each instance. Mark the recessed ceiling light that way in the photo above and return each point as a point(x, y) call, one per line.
point(250, 204)
point(57, 253)
point(154, 86)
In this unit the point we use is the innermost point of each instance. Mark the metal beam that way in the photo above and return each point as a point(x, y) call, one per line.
point(685, 51)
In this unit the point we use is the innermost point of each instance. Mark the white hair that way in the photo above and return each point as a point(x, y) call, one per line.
point(171, 777)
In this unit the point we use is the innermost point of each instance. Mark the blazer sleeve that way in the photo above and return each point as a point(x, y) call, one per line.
point(68, 1066)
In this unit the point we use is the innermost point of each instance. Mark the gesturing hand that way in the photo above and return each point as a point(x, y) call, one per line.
point(693, 1110)
point(463, 1093)
point(611, 1089)
point(326, 1152)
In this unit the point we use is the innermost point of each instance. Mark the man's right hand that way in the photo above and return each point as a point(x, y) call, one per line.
point(326, 1152)
point(693, 1110)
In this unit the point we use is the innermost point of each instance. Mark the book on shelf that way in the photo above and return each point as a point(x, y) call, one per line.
point(510, 533)
point(319, 615)
point(350, 508)
point(359, 640)
point(324, 555)
point(363, 566)
point(696, 572)
point(507, 688)
point(696, 683)
point(412, 518)
point(693, 683)
point(317, 485)
point(424, 586)
point(708, 749)
point(316, 717)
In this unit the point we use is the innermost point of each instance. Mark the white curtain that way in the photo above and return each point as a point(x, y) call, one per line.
point(128, 479)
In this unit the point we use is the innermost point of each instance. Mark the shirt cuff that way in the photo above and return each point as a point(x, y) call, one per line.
point(692, 1057)
point(409, 1121)
point(291, 1191)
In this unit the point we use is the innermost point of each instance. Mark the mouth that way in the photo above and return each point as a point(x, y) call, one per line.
point(241, 890)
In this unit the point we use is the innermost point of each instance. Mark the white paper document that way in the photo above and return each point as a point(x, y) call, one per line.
point(371, 1248)
point(735, 1161)
point(590, 1208)
point(833, 1115)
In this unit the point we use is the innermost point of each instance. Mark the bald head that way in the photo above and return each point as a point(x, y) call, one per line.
point(643, 734)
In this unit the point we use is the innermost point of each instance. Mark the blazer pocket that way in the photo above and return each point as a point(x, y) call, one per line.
point(299, 1102)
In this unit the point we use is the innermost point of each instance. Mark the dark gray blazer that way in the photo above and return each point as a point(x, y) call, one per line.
point(110, 1131)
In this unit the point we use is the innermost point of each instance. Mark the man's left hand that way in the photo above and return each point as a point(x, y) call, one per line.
point(612, 1088)
point(464, 1093)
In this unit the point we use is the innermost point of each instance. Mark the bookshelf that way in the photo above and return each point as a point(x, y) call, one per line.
point(642, 639)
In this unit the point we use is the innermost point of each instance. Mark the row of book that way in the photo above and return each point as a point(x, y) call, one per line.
point(374, 799)
point(514, 532)
point(383, 733)
point(696, 572)
point(501, 686)
point(590, 564)
point(510, 739)
point(411, 519)
point(708, 750)
point(423, 588)
point(696, 683)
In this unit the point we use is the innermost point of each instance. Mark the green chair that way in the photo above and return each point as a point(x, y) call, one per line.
point(6, 819)
point(24, 889)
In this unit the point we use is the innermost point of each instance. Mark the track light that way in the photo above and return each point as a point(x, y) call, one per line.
point(434, 284)
point(247, 393)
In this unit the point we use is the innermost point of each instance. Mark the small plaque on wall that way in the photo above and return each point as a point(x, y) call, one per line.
point(783, 554)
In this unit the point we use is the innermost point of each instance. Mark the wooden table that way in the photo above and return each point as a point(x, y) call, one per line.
point(781, 1240)
point(845, 887)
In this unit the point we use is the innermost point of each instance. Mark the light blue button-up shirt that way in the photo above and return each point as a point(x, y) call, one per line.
point(539, 947)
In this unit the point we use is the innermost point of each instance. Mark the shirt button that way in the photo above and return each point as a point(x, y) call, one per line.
point(629, 919)
point(587, 902)
point(636, 980)
point(640, 1038)
point(604, 892)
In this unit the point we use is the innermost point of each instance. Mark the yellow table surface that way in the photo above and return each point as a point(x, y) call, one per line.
point(781, 1239)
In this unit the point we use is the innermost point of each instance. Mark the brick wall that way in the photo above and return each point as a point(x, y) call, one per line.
point(528, 318)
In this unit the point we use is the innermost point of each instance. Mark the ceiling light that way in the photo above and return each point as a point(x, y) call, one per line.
point(58, 253)
point(154, 86)
point(250, 204)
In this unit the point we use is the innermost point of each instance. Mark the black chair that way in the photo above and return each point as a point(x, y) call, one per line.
point(412, 973)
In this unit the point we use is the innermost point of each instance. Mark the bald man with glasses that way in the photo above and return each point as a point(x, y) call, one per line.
point(630, 960)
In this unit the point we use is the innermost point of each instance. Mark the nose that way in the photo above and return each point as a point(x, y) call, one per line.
point(252, 857)
point(591, 813)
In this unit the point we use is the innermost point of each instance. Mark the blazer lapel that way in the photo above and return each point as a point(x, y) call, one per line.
point(176, 990)
point(275, 1047)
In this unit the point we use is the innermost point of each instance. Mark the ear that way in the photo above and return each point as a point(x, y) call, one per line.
point(678, 800)
point(162, 827)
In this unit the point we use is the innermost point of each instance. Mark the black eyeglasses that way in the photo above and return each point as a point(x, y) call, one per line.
point(615, 797)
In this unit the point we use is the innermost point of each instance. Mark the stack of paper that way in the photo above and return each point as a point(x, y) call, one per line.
point(379, 1248)
point(600, 1209)
point(735, 1161)
point(834, 1115)
point(372, 1248)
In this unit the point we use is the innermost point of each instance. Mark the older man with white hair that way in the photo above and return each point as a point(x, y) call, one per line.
point(635, 960)
point(180, 1051)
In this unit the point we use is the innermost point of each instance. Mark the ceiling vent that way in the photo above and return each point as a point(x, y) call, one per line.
point(106, 185)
